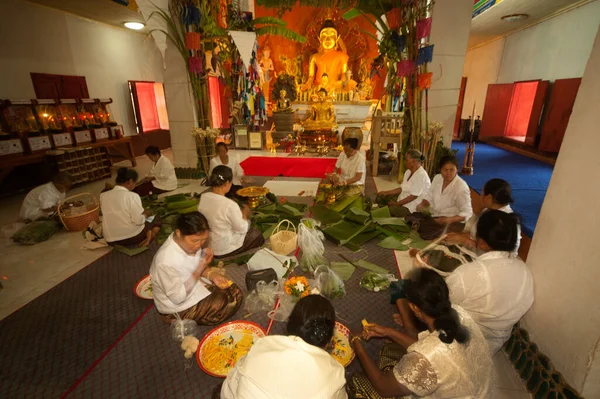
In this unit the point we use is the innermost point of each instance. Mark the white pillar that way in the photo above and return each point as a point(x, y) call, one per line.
point(450, 28)
point(181, 108)
point(565, 253)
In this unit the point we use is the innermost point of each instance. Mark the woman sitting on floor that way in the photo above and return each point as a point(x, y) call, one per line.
point(414, 184)
point(497, 288)
point(351, 166)
point(230, 231)
point(223, 158)
point(448, 360)
point(184, 283)
point(496, 195)
point(448, 201)
point(161, 178)
point(277, 364)
point(42, 201)
point(123, 217)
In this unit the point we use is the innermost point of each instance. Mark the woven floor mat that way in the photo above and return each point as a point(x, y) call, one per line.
point(50, 342)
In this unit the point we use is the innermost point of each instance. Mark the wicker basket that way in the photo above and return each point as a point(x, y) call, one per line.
point(284, 242)
point(81, 221)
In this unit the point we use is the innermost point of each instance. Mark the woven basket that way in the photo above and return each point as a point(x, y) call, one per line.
point(284, 242)
point(82, 221)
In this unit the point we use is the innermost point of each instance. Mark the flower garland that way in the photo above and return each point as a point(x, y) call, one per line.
point(297, 287)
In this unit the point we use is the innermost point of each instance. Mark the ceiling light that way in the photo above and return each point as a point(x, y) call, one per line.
point(134, 25)
point(514, 17)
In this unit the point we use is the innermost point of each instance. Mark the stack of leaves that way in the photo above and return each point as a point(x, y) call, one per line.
point(169, 208)
point(273, 210)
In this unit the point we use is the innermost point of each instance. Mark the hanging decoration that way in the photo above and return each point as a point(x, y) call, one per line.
point(192, 41)
point(425, 55)
point(245, 43)
point(425, 80)
point(423, 28)
point(405, 68)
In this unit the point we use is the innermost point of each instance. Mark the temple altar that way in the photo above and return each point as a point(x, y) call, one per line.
point(347, 112)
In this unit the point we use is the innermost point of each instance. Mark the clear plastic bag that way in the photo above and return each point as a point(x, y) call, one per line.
point(329, 283)
point(262, 299)
point(310, 241)
point(376, 281)
point(181, 328)
point(283, 311)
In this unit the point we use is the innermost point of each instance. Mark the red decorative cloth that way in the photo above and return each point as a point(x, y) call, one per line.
point(405, 68)
point(192, 41)
point(425, 80)
point(423, 28)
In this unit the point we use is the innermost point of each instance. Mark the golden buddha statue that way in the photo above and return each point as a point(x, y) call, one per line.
point(328, 60)
point(268, 71)
point(347, 84)
point(322, 114)
point(283, 103)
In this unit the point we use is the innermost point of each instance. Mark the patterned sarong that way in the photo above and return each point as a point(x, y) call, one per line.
point(359, 385)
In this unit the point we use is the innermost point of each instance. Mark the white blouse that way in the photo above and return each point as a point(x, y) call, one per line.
point(455, 200)
point(173, 287)
point(42, 197)
point(122, 214)
point(496, 290)
point(164, 174)
point(285, 367)
point(435, 370)
point(418, 184)
point(471, 227)
point(238, 171)
point(227, 226)
point(351, 166)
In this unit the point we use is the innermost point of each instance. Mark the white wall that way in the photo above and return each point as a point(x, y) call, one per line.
point(39, 39)
point(554, 49)
point(564, 256)
point(451, 22)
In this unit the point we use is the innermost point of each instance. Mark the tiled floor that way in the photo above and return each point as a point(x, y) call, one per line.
point(31, 271)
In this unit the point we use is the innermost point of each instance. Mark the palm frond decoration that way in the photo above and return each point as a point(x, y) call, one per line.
point(280, 31)
point(267, 21)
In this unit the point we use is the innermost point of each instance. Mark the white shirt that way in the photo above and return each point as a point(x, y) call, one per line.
point(455, 200)
point(285, 367)
point(418, 184)
point(122, 214)
point(173, 287)
point(351, 166)
point(471, 227)
point(496, 290)
point(227, 226)
point(164, 174)
point(42, 197)
point(232, 163)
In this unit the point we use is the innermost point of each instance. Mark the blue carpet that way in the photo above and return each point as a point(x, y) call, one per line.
point(528, 177)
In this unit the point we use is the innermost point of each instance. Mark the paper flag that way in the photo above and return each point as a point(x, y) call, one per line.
point(405, 68)
point(244, 41)
point(192, 40)
point(423, 28)
point(425, 55)
point(425, 80)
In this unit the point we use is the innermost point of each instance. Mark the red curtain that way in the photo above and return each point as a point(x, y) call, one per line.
point(147, 104)
point(214, 92)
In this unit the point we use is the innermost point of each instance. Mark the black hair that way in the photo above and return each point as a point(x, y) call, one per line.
point(428, 291)
point(352, 142)
point(220, 175)
point(500, 230)
point(126, 174)
point(313, 320)
point(191, 223)
point(500, 191)
point(152, 150)
point(327, 24)
point(222, 144)
point(448, 159)
point(63, 178)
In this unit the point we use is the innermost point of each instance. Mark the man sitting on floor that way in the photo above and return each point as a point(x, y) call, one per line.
point(42, 201)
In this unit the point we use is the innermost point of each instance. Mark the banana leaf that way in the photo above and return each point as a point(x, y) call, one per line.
point(175, 198)
point(371, 266)
point(343, 269)
point(280, 31)
point(417, 241)
point(359, 219)
point(365, 237)
point(380, 213)
point(348, 202)
point(397, 224)
point(300, 207)
point(325, 215)
point(266, 208)
point(265, 218)
point(288, 210)
point(358, 211)
point(267, 229)
point(393, 243)
point(343, 231)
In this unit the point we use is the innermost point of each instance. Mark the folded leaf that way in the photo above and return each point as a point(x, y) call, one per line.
point(393, 243)
point(343, 269)
point(358, 211)
point(325, 215)
point(380, 213)
point(343, 231)
point(371, 266)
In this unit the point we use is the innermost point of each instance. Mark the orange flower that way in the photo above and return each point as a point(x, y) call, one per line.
point(297, 286)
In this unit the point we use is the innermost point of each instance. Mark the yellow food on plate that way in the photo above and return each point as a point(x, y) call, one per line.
point(221, 352)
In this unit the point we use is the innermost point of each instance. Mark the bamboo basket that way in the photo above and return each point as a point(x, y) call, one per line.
point(284, 242)
point(81, 221)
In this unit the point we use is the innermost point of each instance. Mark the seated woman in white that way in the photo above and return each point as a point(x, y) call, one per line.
point(448, 201)
point(497, 288)
point(450, 359)
point(230, 231)
point(42, 201)
point(351, 166)
point(295, 366)
point(123, 216)
point(496, 195)
point(184, 283)
point(414, 184)
point(223, 158)
point(162, 177)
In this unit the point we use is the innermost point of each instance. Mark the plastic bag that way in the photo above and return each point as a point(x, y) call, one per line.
point(329, 283)
point(310, 241)
point(283, 311)
point(262, 299)
point(376, 282)
point(181, 328)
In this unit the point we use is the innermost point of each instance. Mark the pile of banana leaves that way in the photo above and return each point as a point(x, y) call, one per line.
point(348, 223)
point(272, 210)
point(168, 209)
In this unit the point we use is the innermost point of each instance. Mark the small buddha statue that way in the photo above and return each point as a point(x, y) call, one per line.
point(322, 113)
point(328, 60)
point(283, 103)
point(347, 84)
point(268, 70)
